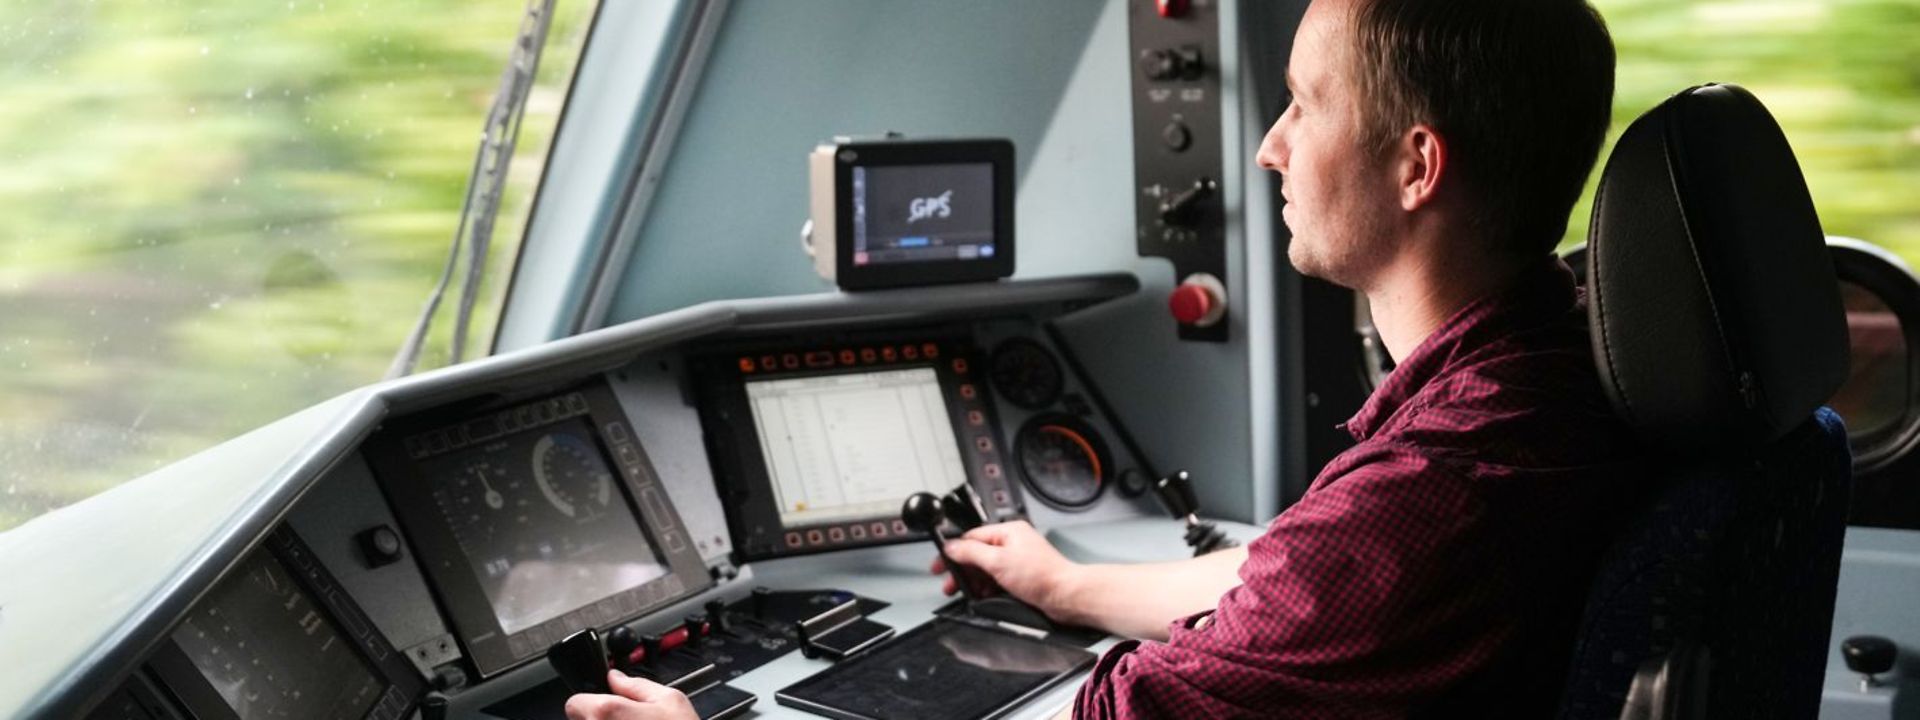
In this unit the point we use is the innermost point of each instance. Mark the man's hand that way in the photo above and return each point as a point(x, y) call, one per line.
point(633, 699)
point(1021, 561)
point(1128, 600)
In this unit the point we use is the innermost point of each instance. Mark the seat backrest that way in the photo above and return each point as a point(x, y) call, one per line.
point(1718, 331)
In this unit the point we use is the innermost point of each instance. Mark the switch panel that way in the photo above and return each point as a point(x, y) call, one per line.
point(1178, 209)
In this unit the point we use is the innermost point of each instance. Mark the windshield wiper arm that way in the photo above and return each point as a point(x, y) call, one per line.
point(485, 186)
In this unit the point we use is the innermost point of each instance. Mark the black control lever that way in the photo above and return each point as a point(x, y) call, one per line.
point(921, 512)
point(1176, 493)
point(581, 662)
point(963, 509)
point(1869, 655)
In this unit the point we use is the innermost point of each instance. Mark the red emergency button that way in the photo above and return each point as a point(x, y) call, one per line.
point(1171, 8)
point(1199, 301)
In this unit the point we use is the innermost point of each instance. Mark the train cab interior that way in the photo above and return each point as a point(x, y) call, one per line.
point(750, 304)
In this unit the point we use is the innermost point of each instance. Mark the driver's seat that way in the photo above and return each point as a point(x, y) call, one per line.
point(1718, 331)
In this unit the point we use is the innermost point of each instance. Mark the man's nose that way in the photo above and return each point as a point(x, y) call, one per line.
point(1273, 150)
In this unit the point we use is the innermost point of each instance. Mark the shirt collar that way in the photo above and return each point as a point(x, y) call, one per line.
point(1541, 292)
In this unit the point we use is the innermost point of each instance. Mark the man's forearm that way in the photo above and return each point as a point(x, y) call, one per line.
point(1139, 600)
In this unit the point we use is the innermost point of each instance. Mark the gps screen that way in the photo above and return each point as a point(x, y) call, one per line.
point(853, 446)
point(919, 213)
point(543, 523)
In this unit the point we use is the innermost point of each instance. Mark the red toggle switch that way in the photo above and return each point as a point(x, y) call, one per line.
point(1171, 8)
point(1200, 301)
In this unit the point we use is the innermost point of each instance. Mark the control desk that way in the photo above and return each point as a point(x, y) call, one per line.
point(713, 499)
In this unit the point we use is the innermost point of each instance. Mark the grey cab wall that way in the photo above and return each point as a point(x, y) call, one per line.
point(1051, 76)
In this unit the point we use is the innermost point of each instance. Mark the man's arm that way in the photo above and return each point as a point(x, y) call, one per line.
point(1128, 600)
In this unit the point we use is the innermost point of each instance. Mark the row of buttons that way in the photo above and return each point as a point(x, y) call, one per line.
point(507, 421)
point(845, 357)
point(835, 535)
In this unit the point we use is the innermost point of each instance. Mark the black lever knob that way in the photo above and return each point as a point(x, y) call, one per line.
point(580, 662)
point(961, 509)
point(761, 599)
point(1176, 493)
point(921, 512)
point(621, 642)
point(696, 627)
point(1869, 655)
point(650, 647)
point(717, 612)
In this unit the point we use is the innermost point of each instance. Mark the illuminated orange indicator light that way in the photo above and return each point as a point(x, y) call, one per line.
point(746, 365)
point(930, 350)
point(1085, 447)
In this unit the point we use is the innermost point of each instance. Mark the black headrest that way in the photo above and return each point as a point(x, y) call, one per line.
point(1716, 317)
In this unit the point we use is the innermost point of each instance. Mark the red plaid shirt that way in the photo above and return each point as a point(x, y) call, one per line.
point(1436, 569)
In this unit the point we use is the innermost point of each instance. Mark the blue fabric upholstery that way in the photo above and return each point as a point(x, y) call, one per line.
point(1741, 557)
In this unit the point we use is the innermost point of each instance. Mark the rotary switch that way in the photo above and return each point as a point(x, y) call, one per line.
point(1199, 301)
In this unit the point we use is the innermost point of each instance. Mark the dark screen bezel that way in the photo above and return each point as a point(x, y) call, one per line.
point(739, 467)
point(402, 686)
point(451, 574)
point(903, 153)
point(793, 695)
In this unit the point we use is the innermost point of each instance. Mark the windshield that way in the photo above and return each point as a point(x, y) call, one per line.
point(215, 213)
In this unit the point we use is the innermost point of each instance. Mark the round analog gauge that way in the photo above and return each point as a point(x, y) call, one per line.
point(480, 499)
point(1026, 374)
point(1063, 460)
point(572, 475)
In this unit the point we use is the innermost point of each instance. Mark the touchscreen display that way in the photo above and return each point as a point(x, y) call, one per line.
point(542, 522)
point(915, 213)
point(270, 652)
point(852, 446)
point(943, 670)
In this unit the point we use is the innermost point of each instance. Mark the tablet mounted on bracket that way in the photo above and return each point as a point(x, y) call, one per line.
point(892, 212)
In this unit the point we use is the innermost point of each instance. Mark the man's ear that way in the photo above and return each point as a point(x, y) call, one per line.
point(1422, 166)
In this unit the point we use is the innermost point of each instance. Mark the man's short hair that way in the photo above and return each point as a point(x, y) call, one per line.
point(1521, 91)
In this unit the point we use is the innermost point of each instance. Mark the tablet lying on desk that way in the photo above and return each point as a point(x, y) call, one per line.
point(943, 670)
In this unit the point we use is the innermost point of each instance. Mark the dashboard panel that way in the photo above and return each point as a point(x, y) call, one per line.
point(471, 534)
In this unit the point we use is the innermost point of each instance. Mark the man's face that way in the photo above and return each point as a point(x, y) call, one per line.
point(1340, 197)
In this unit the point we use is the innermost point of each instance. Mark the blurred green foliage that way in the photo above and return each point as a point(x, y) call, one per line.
point(215, 213)
point(1841, 76)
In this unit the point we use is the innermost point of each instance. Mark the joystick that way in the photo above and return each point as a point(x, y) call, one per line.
point(1869, 655)
point(581, 663)
point(921, 512)
point(1176, 493)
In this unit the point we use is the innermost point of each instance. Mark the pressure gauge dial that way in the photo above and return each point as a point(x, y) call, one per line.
point(1064, 460)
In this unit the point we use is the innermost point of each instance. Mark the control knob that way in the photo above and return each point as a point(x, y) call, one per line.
point(1869, 655)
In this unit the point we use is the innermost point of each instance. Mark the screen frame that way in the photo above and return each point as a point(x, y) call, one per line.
point(740, 470)
point(175, 671)
point(800, 694)
point(997, 153)
point(451, 574)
